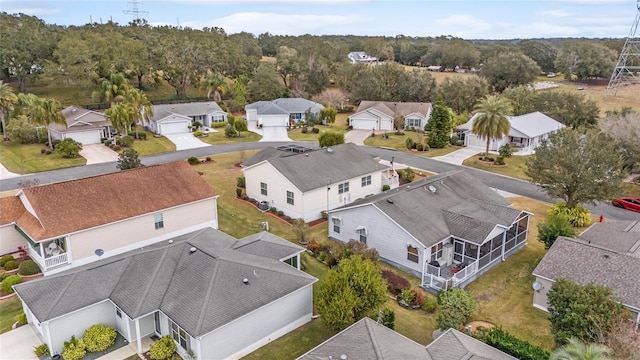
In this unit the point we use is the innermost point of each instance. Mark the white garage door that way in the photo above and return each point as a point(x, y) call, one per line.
point(86, 137)
point(174, 128)
point(363, 124)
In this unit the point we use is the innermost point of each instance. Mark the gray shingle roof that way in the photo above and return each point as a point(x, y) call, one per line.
point(200, 291)
point(311, 170)
point(186, 109)
point(620, 236)
point(455, 345)
point(460, 206)
point(285, 106)
point(531, 124)
point(268, 245)
point(367, 340)
point(396, 108)
point(583, 263)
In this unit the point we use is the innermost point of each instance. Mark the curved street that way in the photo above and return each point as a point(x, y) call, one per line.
point(515, 186)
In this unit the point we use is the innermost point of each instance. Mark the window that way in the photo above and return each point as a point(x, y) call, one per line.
point(436, 252)
point(158, 220)
point(366, 180)
point(179, 335)
point(413, 123)
point(412, 254)
point(295, 116)
point(118, 313)
point(290, 198)
point(363, 234)
point(263, 188)
point(336, 225)
point(343, 188)
point(218, 118)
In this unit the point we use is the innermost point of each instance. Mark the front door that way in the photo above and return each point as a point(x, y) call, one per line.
point(458, 251)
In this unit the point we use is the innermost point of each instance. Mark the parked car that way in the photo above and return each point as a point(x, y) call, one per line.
point(629, 203)
point(551, 75)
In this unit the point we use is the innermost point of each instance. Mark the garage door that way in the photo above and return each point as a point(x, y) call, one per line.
point(174, 128)
point(363, 124)
point(85, 137)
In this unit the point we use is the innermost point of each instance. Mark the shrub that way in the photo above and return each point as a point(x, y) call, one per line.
point(420, 147)
point(197, 133)
point(230, 131)
point(10, 265)
point(7, 284)
point(280, 213)
point(28, 267)
point(3, 275)
point(636, 179)
point(162, 349)
point(99, 337)
point(313, 246)
point(304, 130)
point(407, 174)
point(395, 283)
point(499, 160)
point(43, 150)
point(578, 216)
point(430, 305)
point(388, 318)
point(5, 259)
point(108, 142)
point(386, 187)
point(322, 256)
point(456, 306)
point(21, 318)
point(197, 124)
point(459, 143)
point(324, 215)
point(238, 192)
point(454, 139)
point(125, 141)
point(41, 350)
point(115, 147)
point(315, 130)
point(74, 349)
point(142, 135)
point(193, 160)
point(506, 150)
point(241, 182)
point(502, 340)
point(408, 296)
point(409, 143)
point(554, 225)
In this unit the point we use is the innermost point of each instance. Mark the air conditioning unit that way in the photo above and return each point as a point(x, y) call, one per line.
point(447, 255)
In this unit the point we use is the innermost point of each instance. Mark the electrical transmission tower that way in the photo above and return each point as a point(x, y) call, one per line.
point(627, 70)
point(137, 13)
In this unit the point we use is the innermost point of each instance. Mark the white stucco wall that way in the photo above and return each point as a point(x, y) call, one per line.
point(10, 239)
point(258, 328)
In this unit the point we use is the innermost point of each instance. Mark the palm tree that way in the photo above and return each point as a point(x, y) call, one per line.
point(112, 89)
point(121, 115)
point(41, 112)
point(141, 106)
point(7, 100)
point(214, 83)
point(577, 350)
point(492, 121)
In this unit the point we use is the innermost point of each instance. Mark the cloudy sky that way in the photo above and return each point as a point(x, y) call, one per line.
point(469, 19)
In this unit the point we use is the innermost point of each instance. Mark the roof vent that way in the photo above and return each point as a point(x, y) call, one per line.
point(192, 249)
point(171, 241)
point(330, 150)
point(390, 200)
point(306, 154)
point(408, 187)
point(245, 281)
point(73, 110)
point(344, 357)
point(432, 188)
point(606, 256)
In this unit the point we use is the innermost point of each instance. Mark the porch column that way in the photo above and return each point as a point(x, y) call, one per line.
point(504, 242)
point(198, 348)
point(137, 322)
point(424, 263)
point(638, 321)
point(298, 261)
point(45, 328)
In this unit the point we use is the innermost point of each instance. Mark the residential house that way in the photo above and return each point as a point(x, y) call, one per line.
point(216, 296)
point(280, 112)
point(178, 118)
point(445, 229)
point(304, 184)
point(71, 223)
point(82, 125)
point(380, 115)
point(527, 131)
point(606, 254)
point(369, 340)
point(361, 57)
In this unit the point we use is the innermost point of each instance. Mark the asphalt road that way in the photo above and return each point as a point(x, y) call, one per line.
point(504, 183)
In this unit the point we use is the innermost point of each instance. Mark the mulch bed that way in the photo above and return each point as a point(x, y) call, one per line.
point(489, 163)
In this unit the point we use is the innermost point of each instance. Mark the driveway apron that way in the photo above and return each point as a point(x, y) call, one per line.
point(18, 344)
point(185, 141)
point(98, 153)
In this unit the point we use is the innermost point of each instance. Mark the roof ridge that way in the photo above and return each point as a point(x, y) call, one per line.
point(203, 310)
point(374, 342)
point(60, 294)
point(150, 283)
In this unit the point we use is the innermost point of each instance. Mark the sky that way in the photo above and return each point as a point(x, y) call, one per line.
point(468, 19)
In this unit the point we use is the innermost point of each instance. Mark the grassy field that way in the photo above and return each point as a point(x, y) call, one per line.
point(516, 165)
point(26, 158)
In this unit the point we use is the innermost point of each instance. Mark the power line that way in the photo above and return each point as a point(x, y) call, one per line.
point(627, 70)
point(135, 10)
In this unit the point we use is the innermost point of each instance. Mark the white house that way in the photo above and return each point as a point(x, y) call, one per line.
point(216, 296)
point(445, 229)
point(82, 125)
point(178, 118)
point(361, 57)
point(303, 185)
point(380, 115)
point(367, 339)
point(280, 112)
point(72, 223)
point(526, 133)
point(606, 254)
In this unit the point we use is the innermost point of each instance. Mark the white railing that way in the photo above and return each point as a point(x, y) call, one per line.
point(433, 276)
point(56, 260)
point(35, 256)
point(466, 272)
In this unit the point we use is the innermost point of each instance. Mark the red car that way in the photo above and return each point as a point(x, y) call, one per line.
point(629, 203)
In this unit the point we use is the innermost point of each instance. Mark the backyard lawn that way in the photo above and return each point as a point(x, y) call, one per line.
point(27, 158)
point(9, 309)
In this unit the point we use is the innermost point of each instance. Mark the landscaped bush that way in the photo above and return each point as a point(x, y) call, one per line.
point(241, 182)
point(430, 305)
point(10, 265)
point(99, 337)
point(578, 216)
point(21, 318)
point(197, 133)
point(388, 318)
point(409, 143)
point(385, 187)
point(7, 283)
point(125, 141)
point(502, 340)
point(499, 160)
point(303, 130)
point(141, 135)
point(5, 259)
point(407, 174)
point(315, 130)
point(74, 349)
point(3, 275)
point(395, 282)
point(454, 139)
point(238, 192)
point(162, 349)
point(412, 297)
point(41, 350)
point(193, 160)
point(456, 307)
point(217, 125)
point(506, 150)
point(28, 267)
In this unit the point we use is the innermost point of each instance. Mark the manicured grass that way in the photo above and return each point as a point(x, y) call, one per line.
point(217, 138)
point(439, 152)
point(504, 293)
point(393, 141)
point(9, 309)
point(515, 166)
point(153, 145)
point(26, 158)
point(298, 135)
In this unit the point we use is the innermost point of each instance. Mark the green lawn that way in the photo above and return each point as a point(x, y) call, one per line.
point(26, 158)
point(515, 166)
point(153, 145)
point(9, 309)
point(398, 142)
point(217, 138)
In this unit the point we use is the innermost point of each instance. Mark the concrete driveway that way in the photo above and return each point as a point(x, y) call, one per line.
point(274, 133)
point(185, 141)
point(98, 153)
point(458, 156)
point(19, 343)
point(357, 136)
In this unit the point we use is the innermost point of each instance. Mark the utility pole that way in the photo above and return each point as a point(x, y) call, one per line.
point(627, 70)
point(135, 11)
